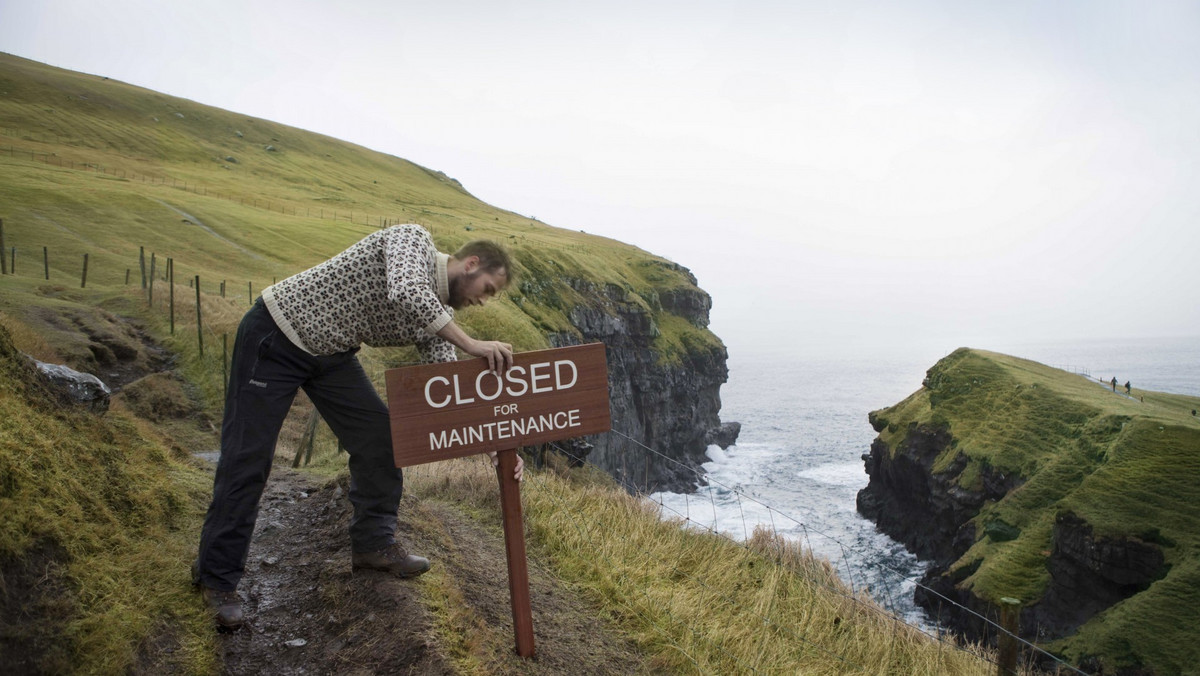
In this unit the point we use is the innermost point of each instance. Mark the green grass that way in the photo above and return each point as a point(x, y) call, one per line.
point(1129, 466)
point(695, 602)
point(95, 167)
point(106, 493)
point(268, 215)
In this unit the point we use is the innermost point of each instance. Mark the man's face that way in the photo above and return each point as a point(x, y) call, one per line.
point(476, 287)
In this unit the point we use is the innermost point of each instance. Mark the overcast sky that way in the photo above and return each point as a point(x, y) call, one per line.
point(836, 174)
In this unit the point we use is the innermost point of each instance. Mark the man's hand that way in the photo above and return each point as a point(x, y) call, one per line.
point(520, 464)
point(499, 355)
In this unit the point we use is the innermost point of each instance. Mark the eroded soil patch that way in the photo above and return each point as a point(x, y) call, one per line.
point(308, 613)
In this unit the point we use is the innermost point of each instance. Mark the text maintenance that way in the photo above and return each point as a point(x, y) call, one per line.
point(442, 411)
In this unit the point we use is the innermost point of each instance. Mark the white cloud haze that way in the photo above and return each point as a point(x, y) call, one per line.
point(835, 174)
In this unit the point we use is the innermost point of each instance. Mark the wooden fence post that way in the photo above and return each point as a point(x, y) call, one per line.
point(1010, 621)
point(171, 285)
point(83, 282)
point(199, 324)
point(142, 263)
point(250, 292)
point(3, 263)
point(150, 289)
point(46, 262)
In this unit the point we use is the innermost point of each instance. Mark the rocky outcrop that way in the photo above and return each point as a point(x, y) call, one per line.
point(927, 511)
point(665, 411)
point(929, 493)
point(934, 518)
point(1090, 573)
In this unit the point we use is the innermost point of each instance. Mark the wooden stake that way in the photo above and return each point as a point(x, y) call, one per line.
point(83, 282)
point(171, 285)
point(46, 262)
point(3, 263)
point(1010, 620)
point(514, 546)
point(199, 324)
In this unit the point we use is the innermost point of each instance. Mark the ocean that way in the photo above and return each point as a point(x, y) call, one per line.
point(797, 466)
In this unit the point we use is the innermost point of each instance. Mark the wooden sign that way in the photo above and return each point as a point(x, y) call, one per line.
point(444, 411)
point(455, 409)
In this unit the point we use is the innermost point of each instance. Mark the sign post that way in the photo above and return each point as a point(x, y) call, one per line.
point(455, 409)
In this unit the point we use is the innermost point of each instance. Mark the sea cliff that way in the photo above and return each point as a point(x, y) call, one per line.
point(664, 393)
point(1019, 480)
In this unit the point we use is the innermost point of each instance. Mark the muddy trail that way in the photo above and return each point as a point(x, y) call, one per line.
point(307, 613)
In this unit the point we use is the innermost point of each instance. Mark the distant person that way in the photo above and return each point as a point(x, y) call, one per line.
point(1127, 388)
point(392, 288)
point(1114, 383)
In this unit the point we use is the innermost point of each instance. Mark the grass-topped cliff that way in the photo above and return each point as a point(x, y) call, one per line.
point(1046, 486)
point(101, 513)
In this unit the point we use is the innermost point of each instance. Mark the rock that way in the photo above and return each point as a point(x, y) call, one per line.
point(82, 388)
point(269, 149)
point(239, 134)
point(231, 159)
point(724, 435)
point(662, 410)
point(296, 643)
point(1088, 574)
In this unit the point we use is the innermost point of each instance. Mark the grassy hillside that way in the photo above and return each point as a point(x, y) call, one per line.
point(102, 513)
point(1127, 465)
point(97, 167)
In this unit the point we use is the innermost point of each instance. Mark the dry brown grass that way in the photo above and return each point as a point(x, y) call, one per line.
point(697, 602)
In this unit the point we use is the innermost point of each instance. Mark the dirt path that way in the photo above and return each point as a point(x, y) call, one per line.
point(308, 614)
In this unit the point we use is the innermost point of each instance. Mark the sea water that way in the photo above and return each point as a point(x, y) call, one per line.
point(797, 466)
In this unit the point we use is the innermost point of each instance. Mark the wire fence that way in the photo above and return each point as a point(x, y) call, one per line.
point(999, 631)
point(149, 276)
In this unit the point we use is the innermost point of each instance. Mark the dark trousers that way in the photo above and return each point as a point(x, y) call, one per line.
point(267, 370)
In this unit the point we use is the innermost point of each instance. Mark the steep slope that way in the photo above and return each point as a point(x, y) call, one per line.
point(100, 168)
point(1023, 481)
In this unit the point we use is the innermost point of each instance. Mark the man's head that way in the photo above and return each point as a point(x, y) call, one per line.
point(478, 271)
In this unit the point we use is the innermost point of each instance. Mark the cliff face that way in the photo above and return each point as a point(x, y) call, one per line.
point(668, 402)
point(1017, 480)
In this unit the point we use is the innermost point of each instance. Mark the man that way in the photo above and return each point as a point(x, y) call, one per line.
point(392, 288)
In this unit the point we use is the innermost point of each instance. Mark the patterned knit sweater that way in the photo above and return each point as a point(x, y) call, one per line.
point(390, 289)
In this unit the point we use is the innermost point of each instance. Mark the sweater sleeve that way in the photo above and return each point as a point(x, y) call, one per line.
point(409, 255)
point(436, 350)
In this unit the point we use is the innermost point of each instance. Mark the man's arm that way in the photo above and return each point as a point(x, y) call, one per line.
point(499, 355)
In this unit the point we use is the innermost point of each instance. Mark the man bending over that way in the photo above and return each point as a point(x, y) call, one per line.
point(393, 288)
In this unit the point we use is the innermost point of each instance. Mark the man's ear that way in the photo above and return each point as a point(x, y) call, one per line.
point(470, 264)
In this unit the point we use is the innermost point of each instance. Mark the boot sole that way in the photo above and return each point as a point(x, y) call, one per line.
point(388, 571)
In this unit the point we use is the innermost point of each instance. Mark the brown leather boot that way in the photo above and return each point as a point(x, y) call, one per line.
point(226, 606)
point(392, 559)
